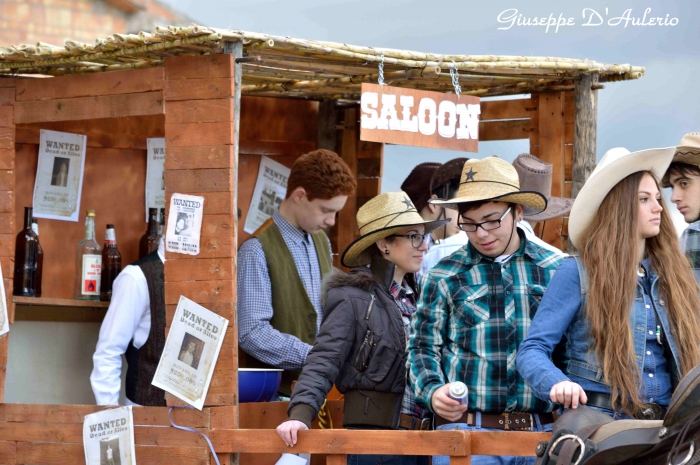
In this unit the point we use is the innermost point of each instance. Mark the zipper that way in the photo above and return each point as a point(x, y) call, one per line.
point(369, 309)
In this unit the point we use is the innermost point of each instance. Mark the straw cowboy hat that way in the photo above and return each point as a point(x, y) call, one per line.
point(536, 175)
point(493, 179)
point(382, 216)
point(688, 151)
point(616, 165)
point(417, 183)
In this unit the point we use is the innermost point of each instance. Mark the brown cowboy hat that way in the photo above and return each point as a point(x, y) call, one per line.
point(382, 216)
point(536, 175)
point(417, 183)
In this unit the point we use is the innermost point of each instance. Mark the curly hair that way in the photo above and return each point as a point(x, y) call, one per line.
point(322, 174)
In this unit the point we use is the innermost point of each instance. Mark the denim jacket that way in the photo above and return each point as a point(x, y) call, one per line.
point(561, 313)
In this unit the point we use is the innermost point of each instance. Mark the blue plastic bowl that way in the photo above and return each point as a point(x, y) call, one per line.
point(258, 384)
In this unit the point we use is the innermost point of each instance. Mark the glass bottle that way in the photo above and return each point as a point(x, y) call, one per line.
point(149, 241)
point(111, 263)
point(39, 259)
point(88, 263)
point(26, 247)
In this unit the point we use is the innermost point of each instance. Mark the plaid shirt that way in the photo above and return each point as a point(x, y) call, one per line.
point(473, 313)
point(256, 335)
point(690, 243)
point(403, 296)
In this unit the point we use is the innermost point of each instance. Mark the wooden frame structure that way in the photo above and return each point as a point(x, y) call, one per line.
point(186, 85)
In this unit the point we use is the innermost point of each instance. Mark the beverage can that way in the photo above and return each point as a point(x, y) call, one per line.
point(459, 392)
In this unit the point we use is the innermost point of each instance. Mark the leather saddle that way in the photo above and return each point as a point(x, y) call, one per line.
point(588, 436)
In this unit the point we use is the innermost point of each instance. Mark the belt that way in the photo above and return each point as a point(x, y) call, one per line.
point(516, 421)
point(414, 423)
point(650, 411)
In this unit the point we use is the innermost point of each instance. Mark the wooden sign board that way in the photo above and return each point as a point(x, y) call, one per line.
point(420, 118)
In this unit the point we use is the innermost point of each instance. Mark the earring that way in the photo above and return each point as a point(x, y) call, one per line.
point(386, 251)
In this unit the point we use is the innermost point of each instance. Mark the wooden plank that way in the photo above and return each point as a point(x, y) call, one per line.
point(505, 109)
point(84, 85)
point(7, 223)
point(216, 240)
point(198, 111)
point(204, 180)
point(197, 269)
point(8, 450)
point(198, 134)
point(7, 159)
point(70, 454)
point(7, 96)
point(327, 120)
point(7, 81)
point(568, 162)
point(7, 180)
point(86, 108)
point(198, 89)
point(7, 200)
point(337, 459)
point(4, 341)
point(7, 245)
point(199, 67)
point(369, 187)
point(504, 130)
point(180, 158)
point(225, 309)
point(202, 292)
point(62, 314)
point(535, 126)
point(276, 148)
point(369, 167)
point(223, 417)
point(7, 116)
point(53, 302)
point(7, 138)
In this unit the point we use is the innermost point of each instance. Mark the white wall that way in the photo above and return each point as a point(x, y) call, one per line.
point(51, 362)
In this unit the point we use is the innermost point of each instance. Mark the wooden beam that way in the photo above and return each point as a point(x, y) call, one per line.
point(327, 119)
point(505, 109)
point(85, 85)
point(504, 130)
point(346, 224)
point(88, 108)
point(585, 130)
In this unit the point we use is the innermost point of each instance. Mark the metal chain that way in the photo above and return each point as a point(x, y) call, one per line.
point(380, 81)
point(455, 78)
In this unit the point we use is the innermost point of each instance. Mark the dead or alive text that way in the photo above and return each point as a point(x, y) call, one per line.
point(209, 329)
point(108, 427)
point(274, 175)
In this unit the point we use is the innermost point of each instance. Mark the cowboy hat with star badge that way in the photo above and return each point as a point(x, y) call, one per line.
point(493, 179)
point(382, 216)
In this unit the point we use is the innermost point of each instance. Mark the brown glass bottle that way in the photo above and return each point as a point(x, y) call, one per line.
point(149, 241)
point(39, 259)
point(26, 247)
point(111, 263)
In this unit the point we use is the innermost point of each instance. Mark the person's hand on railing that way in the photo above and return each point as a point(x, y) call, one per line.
point(288, 431)
point(569, 394)
point(446, 406)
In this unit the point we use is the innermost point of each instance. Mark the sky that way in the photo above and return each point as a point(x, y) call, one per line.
point(654, 111)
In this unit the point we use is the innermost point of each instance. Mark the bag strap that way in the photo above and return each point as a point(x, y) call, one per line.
point(583, 278)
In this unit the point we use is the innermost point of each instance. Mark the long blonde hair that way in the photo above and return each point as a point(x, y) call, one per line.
point(610, 253)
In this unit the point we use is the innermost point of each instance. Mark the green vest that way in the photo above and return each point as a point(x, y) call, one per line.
point(293, 311)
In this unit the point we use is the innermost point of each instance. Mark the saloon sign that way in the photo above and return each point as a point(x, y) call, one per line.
point(420, 118)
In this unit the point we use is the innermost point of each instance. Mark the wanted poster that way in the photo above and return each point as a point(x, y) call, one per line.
point(184, 224)
point(190, 352)
point(108, 437)
point(4, 319)
point(155, 175)
point(270, 190)
point(59, 175)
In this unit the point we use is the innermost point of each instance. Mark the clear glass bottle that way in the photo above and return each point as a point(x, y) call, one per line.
point(149, 241)
point(111, 263)
point(39, 259)
point(26, 247)
point(88, 263)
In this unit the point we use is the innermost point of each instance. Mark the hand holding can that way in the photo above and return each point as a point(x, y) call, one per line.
point(459, 392)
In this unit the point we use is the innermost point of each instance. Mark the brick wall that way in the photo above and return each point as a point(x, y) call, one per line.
point(54, 21)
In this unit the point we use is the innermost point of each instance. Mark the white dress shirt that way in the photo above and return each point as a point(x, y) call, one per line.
point(128, 318)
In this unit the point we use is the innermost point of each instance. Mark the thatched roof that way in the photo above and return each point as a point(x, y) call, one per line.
point(283, 66)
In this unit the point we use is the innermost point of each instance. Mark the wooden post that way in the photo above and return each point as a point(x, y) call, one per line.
point(327, 119)
point(585, 130)
point(201, 159)
point(346, 224)
point(7, 209)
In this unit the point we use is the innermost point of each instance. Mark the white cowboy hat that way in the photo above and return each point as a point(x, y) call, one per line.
point(493, 179)
point(381, 217)
point(616, 165)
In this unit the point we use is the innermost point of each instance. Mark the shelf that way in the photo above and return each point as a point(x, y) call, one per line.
point(49, 302)
point(64, 310)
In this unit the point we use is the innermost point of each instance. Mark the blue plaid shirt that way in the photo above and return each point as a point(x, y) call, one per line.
point(472, 315)
point(690, 244)
point(256, 335)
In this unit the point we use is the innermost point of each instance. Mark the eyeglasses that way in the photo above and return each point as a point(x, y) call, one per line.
point(486, 225)
point(416, 239)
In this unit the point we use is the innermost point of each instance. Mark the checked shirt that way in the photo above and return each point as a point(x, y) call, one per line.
point(472, 315)
point(690, 243)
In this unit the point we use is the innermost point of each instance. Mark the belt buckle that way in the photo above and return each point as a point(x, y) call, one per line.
point(650, 411)
point(523, 427)
point(425, 424)
point(505, 421)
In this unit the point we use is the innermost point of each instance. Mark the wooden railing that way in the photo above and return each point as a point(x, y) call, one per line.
point(52, 434)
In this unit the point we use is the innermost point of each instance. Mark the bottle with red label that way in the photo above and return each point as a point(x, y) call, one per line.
point(111, 263)
point(88, 263)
